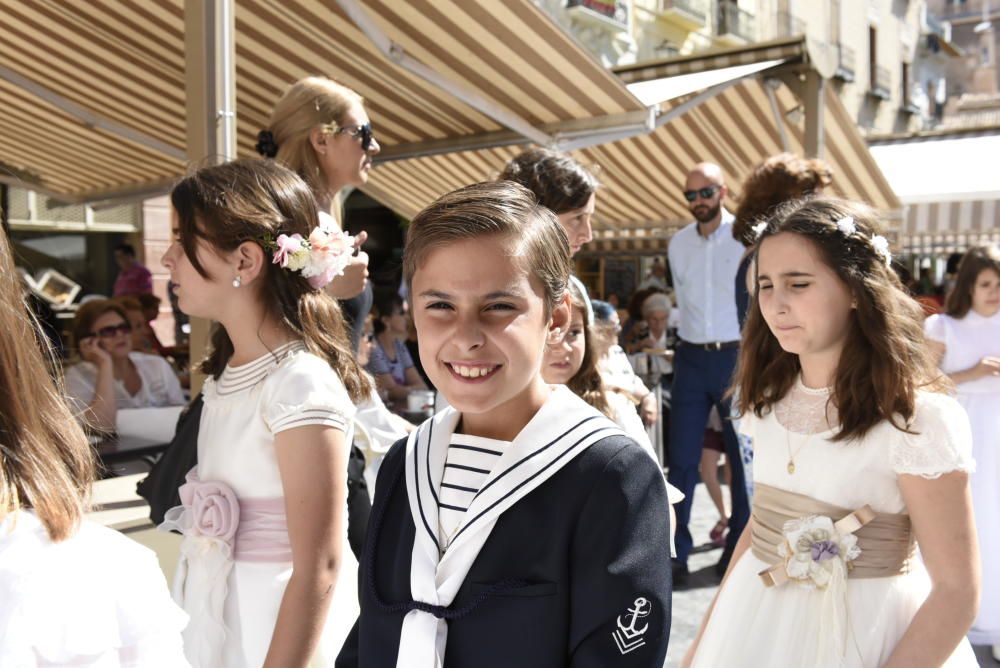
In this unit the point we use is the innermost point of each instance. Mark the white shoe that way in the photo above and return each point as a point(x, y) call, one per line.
point(996, 652)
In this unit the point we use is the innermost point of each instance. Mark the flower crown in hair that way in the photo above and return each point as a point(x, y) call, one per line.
point(320, 258)
point(847, 227)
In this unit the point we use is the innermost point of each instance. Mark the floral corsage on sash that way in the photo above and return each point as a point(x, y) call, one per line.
point(816, 551)
point(812, 548)
point(320, 258)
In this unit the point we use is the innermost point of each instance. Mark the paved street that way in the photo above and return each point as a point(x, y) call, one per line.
point(689, 605)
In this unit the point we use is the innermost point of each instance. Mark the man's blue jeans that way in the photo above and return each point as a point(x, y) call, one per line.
point(701, 378)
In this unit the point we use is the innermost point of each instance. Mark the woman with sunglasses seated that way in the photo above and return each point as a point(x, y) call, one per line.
point(111, 375)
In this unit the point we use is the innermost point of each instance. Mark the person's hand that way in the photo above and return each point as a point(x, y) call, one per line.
point(352, 281)
point(988, 366)
point(648, 410)
point(91, 351)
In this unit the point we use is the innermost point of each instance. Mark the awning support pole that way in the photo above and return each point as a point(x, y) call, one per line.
point(210, 76)
point(396, 54)
point(770, 85)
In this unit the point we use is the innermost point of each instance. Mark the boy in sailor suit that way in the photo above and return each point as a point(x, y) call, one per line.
point(519, 527)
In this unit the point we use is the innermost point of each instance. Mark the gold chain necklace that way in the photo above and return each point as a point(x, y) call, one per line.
point(790, 467)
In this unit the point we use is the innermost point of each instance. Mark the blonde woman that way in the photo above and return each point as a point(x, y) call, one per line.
point(320, 130)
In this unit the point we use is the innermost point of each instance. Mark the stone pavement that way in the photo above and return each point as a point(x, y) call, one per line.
point(689, 605)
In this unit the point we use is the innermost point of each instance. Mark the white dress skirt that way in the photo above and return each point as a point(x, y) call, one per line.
point(967, 340)
point(787, 625)
point(233, 615)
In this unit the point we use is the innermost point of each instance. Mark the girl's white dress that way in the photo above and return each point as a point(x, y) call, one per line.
point(243, 411)
point(94, 600)
point(754, 625)
point(968, 340)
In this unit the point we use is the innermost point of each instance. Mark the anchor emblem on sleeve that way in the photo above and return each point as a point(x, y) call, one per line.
point(627, 637)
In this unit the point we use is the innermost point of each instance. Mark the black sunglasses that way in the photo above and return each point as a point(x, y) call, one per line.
point(362, 131)
point(111, 330)
point(704, 193)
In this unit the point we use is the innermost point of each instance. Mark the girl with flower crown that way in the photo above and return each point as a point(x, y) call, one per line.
point(265, 571)
point(860, 459)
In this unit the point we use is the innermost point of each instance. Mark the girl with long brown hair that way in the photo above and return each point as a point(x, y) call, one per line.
point(966, 343)
point(71, 592)
point(265, 571)
point(858, 459)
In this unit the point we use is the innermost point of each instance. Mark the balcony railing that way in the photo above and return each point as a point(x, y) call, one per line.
point(790, 25)
point(691, 13)
point(880, 83)
point(845, 63)
point(733, 21)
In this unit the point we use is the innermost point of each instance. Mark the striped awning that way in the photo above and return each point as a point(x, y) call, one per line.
point(947, 181)
point(94, 92)
point(643, 176)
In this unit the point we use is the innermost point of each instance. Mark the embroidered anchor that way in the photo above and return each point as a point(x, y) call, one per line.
point(627, 636)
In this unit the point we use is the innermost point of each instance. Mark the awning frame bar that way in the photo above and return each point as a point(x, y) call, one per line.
point(398, 55)
point(88, 117)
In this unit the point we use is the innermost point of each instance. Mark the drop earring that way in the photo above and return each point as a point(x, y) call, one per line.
point(238, 281)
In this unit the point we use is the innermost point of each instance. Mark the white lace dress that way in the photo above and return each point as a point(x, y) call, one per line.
point(754, 625)
point(94, 600)
point(967, 340)
point(243, 411)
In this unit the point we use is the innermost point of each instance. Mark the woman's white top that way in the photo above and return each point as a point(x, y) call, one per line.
point(94, 600)
point(160, 386)
point(966, 341)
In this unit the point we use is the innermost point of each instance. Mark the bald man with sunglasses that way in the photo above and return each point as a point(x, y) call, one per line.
point(704, 258)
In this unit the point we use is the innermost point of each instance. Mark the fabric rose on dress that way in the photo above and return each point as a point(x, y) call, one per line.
point(813, 548)
point(213, 507)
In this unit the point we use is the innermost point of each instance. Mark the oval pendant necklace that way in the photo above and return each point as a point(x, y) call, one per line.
point(790, 467)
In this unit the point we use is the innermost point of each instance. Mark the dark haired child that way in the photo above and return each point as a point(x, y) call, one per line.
point(266, 573)
point(858, 459)
point(520, 526)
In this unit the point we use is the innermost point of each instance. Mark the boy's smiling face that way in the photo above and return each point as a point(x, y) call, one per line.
point(481, 328)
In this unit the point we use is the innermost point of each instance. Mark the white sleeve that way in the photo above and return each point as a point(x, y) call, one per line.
point(934, 328)
point(80, 387)
point(305, 391)
point(941, 441)
point(172, 386)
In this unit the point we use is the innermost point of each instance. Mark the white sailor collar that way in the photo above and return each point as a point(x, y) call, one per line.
point(564, 427)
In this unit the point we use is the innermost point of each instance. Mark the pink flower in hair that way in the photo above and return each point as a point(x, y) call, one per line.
point(287, 246)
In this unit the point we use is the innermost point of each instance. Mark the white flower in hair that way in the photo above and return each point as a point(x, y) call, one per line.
point(881, 245)
point(758, 229)
point(846, 226)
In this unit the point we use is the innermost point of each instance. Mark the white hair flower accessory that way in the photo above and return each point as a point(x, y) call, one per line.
point(758, 229)
point(320, 258)
point(846, 226)
point(881, 245)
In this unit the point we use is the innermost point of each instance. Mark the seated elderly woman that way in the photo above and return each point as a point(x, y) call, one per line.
point(111, 375)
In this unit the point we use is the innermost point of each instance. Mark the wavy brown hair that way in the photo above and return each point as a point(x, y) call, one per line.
point(256, 200)
point(46, 463)
point(884, 360)
point(586, 383)
point(559, 182)
point(975, 261)
point(778, 179)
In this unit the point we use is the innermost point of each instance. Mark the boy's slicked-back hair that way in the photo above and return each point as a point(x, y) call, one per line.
point(501, 209)
point(884, 360)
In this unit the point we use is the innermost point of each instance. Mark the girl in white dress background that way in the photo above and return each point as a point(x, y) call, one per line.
point(966, 341)
point(265, 570)
point(858, 460)
point(72, 592)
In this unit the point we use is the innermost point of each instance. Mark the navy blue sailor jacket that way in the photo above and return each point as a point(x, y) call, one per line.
point(576, 573)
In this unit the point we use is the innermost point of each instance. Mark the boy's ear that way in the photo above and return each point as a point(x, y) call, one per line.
point(561, 314)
